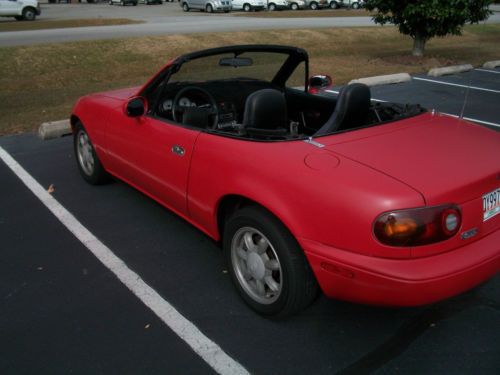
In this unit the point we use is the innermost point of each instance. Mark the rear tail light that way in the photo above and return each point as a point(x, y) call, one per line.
point(417, 226)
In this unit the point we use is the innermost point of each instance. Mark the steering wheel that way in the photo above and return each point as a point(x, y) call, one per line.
point(213, 110)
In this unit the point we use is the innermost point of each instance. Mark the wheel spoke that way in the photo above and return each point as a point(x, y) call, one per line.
point(272, 284)
point(262, 245)
point(242, 253)
point(272, 265)
point(261, 289)
point(249, 242)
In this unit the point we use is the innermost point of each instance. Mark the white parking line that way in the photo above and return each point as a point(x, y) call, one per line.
point(487, 71)
point(449, 114)
point(187, 331)
point(456, 85)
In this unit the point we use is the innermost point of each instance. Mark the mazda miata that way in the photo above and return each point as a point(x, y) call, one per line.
point(377, 203)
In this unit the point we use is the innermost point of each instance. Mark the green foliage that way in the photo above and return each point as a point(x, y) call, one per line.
point(425, 19)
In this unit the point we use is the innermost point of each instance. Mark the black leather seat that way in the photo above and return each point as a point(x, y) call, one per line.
point(351, 110)
point(265, 113)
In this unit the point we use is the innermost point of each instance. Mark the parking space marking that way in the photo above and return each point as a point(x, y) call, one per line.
point(455, 84)
point(208, 350)
point(487, 71)
point(444, 113)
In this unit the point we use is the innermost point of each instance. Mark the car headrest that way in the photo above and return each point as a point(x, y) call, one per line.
point(353, 105)
point(265, 109)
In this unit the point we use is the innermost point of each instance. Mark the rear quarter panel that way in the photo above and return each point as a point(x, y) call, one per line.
point(334, 203)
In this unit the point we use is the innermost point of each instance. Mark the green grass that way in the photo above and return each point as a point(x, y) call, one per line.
point(62, 24)
point(42, 82)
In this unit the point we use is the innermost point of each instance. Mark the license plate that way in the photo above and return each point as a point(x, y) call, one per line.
point(491, 204)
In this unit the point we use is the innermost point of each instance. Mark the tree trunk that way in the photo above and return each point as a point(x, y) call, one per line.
point(418, 45)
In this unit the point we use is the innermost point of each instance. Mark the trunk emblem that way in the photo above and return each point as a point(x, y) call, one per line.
point(469, 234)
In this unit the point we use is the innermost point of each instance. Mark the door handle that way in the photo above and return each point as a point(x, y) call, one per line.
point(178, 150)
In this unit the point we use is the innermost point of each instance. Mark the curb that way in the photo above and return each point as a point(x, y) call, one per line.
point(54, 129)
point(383, 80)
point(491, 64)
point(437, 72)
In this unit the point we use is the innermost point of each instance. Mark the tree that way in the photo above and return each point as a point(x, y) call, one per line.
point(425, 19)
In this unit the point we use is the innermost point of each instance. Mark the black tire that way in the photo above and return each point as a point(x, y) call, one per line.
point(334, 5)
point(247, 7)
point(185, 7)
point(294, 6)
point(284, 262)
point(355, 6)
point(313, 6)
point(209, 8)
point(95, 175)
point(29, 14)
point(271, 7)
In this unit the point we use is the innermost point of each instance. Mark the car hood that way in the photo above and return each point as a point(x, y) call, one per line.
point(444, 159)
point(121, 93)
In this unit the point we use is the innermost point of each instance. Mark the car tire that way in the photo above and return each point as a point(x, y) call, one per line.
point(185, 7)
point(271, 7)
point(209, 8)
point(29, 14)
point(88, 163)
point(355, 6)
point(247, 7)
point(313, 6)
point(294, 6)
point(122, 3)
point(266, 263)
point(334, 5)
point(134, 4)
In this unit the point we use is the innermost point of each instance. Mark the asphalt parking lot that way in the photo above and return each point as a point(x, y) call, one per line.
point(63, 311)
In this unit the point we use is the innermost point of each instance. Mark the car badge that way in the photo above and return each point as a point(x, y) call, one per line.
point(469, 234)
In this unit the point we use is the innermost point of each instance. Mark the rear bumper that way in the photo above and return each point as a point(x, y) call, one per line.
point(410, 282)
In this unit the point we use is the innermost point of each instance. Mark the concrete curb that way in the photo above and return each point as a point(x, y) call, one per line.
point(54, 129)
point(491, 64)
point(437, 72)
point(383, 80)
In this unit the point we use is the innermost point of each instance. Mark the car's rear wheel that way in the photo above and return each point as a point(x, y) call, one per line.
point(89, 165)
point(334, 5)
point(271, 7)
point(29, 14)
point(185, 7)
point(355, 6)
point(209, 8)
point(266, 263)
point(313, 6)
point(247, 7)
point(294, 6)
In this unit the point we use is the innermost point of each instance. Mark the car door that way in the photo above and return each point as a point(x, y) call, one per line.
point(152, 155)
point(237, 4)
point(9, 7)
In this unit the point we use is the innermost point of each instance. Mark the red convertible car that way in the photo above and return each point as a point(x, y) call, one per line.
point(380, 203)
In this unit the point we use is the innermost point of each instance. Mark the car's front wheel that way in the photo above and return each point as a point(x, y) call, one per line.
point(89, 165)
point(271, 7)
point(185, 7)
point(294, 6)
point(334, 5)
point(313, 6)
point(355, 6)
point(29, 14)
point(266, 263)
point(209, 8)
point(247, 8)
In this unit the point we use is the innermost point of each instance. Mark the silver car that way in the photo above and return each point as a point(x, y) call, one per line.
point(208, 6)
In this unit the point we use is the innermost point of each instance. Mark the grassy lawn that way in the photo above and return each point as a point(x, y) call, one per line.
point(41, 83)
point(62, 24)
point(308, 13)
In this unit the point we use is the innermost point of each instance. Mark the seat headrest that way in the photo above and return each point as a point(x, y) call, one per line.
point(265, 109)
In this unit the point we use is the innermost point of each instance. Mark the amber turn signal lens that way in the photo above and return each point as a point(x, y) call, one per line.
point(417, 226)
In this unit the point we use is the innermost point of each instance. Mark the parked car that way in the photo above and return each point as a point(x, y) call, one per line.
point(248, 5)
point(297, 4)
point(208, 6)
point(354, 4)
point(316, 4)
point(21, 10)
point(278, 5)
point(123, 2)
point(151, 2)
point(377, 203)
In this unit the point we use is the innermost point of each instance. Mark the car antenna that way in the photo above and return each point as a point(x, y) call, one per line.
point(466, 98)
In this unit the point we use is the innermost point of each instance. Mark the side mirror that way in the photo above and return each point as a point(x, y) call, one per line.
point(136, 107)
point(319, 83)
